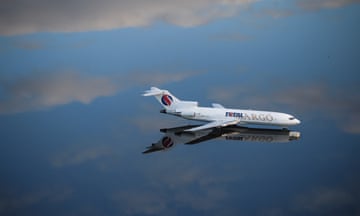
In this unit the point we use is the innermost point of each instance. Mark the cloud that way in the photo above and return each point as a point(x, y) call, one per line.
point(47, 194)
point(278, 13)
point(79, 157)
point(47, 90)
point(210, 194)
point(319, 201)
point(319, 4)
point(28, 44)
point(231, 37)
point(326, 201)
point(339, 104)
point(23, 17)
point(141, 202)
point(41, 91)
point(206, 199)
point(168, 188)
point(147, 123)
point(352, 125)
point(37, 44)
point(281, 9)
point(226, 94)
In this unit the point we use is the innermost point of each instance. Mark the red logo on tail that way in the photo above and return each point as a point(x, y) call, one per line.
point(166, 100)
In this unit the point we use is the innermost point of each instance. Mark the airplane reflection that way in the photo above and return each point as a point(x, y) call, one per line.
point(177, 135)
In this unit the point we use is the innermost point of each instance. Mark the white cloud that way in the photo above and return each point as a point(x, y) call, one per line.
point(47, 90)
point(24, 16)
point(41, 91)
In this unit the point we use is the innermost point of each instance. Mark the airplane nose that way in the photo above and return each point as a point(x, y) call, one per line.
point(297, 121)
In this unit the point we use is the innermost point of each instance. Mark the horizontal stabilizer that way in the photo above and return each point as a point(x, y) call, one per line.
point(216, 105)
point(152, 150)
point(153, 91)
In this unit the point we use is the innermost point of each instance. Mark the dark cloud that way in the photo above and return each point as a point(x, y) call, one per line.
point(20, 17)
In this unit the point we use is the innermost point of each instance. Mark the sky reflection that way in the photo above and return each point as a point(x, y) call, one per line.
point(74, 124)
point(94, 166)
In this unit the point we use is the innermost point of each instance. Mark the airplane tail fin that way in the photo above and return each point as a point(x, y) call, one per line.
point(168, 100)
point(165, 98)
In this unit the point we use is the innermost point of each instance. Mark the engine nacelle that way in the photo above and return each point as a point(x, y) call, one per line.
point(187, 104)
point(187, 114)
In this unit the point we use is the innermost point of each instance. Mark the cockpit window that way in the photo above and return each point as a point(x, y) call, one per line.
point(291, 118)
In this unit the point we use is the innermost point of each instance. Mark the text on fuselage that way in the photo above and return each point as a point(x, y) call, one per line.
point(252, 116)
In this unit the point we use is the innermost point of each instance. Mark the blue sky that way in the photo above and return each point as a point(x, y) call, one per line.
point(70, 107)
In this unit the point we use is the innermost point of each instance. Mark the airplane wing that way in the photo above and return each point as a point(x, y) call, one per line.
point(214, 124)
point(212, 135)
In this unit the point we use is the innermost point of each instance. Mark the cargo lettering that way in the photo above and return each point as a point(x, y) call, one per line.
point(234, 114)
point(251, 116)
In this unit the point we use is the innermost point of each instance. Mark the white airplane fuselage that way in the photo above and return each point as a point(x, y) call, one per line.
point(218, 116)
point(257, 117)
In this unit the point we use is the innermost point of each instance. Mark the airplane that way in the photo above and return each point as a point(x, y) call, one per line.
point(178, 135)
point(217, 116)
